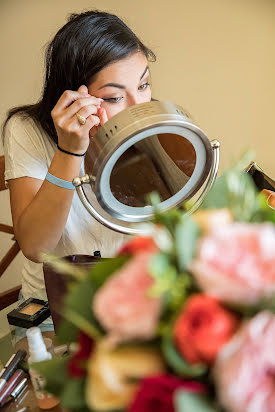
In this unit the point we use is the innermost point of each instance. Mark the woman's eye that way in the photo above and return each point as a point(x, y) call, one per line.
point(144, 86)
point(113, 99)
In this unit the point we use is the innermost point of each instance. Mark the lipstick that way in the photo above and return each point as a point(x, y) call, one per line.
point(11, 367)
point(10, 386)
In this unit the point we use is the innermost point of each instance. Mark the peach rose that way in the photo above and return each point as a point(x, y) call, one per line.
point(114, 375)
point(123, 306)
point(209, 219)
point(236, 263)
point(244, 372)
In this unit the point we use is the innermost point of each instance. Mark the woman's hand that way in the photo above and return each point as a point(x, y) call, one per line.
point(73, 136)
point(270, 197)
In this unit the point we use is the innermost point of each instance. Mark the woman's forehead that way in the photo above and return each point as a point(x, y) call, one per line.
point(124, 72)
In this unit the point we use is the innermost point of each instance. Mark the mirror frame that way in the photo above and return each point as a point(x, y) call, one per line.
point(123, 130)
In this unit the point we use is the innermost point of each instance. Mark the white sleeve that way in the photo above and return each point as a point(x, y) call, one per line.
point(25, 152)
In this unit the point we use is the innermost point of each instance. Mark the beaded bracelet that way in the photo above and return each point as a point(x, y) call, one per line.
point(59, 182)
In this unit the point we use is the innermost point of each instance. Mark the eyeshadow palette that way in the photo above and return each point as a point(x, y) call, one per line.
point(30, 313)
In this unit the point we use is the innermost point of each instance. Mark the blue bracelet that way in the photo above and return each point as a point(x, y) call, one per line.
point(59, 182)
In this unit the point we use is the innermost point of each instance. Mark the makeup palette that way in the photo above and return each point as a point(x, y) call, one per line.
point(30, 313)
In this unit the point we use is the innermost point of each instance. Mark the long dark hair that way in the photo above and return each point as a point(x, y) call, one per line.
point(80, 49)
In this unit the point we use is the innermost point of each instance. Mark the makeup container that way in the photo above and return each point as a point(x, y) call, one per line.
point(30, 313)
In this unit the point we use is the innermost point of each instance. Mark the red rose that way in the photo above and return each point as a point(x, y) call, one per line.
point(76, 365)
point(156, 393)
point(202, 328)
point(138, 244)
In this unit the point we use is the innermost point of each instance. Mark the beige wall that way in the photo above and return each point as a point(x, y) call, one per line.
point(214, 57)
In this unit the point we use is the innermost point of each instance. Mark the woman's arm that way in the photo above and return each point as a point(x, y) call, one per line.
point(39, 208)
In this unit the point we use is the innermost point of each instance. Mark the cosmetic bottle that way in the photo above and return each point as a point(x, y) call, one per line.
point(38, 353)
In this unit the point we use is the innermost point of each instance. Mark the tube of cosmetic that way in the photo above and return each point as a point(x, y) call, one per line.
point(19, 388)
point(11, 367)
point(10, 386)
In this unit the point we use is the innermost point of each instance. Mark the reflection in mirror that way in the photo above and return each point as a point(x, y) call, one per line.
point(162, 163)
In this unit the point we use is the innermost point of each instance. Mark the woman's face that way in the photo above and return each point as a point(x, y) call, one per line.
point(122, 84)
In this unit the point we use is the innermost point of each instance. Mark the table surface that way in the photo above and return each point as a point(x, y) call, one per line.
point(26, 400)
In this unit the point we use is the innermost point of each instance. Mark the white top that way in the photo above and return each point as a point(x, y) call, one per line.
point(29, 152)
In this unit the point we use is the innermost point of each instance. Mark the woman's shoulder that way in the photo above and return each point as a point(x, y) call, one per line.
point(20, 121)
point(24, 132)
point(22, 126)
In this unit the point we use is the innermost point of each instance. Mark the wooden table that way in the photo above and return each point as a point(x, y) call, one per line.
point(26, 400)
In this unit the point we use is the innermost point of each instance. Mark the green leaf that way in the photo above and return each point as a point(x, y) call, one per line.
point(154, 199)
point(73, 395)
point(159, 264)
point(190, 402)
point(164, 275)
point(236, 191)
point(82, 324)
point(176, 361)
point(169, 218)
point(66, 332)
point(55, 373)
point(266, 303)
point(80, 298)
point(79, 301)
point(218, 196)
point(242, 195)
point(264, 212)
point(105, 268)
point(245, 159)
point(187, 234)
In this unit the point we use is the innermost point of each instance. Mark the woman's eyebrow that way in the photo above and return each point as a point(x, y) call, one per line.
point(143, 74)
point(120, 86)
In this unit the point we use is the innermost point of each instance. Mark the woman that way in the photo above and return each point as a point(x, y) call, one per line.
point(95, 67)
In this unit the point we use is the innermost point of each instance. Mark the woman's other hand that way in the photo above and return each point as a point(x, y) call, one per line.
point(73, 136)
point(270, 197)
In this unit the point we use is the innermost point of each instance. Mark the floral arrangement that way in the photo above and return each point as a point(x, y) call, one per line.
point(181, 320)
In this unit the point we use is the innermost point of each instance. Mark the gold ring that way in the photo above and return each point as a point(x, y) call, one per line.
point(81, 119)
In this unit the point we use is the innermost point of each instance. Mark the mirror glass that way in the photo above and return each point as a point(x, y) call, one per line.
point(163, 163)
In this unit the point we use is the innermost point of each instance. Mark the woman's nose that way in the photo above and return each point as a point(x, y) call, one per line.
point(133, 99)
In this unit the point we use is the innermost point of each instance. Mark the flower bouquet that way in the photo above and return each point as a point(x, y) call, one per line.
point(180, 320)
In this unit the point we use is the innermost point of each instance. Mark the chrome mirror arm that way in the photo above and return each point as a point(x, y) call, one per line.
point(88, 179)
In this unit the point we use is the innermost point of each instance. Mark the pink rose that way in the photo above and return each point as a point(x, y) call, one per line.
point(236, 263)
point(123, 306)
point(244, 372)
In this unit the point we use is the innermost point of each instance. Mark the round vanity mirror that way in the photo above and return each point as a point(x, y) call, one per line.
point(149, 147)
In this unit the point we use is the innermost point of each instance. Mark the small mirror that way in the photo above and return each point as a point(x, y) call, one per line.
point(150, 147)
